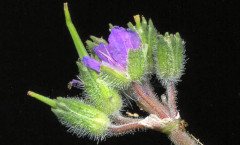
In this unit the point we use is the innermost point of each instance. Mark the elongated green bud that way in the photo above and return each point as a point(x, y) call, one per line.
point(80, 117)
point(170, 57)
point(76, 39)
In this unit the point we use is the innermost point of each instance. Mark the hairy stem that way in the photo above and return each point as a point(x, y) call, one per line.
point(149, 101)
point(152, 96)
point(118, 118)
point(179, 137)
point(171, 99)
point(125, 127)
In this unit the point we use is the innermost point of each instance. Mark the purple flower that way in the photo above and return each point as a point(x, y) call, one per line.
point(115, 54)
point(76, 83)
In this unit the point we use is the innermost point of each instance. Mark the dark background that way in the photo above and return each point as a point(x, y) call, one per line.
point(37, 53)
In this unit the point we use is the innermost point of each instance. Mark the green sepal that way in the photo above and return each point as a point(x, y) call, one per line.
point(110, 26)
point(98, 40)
point(90, 46)
point(137, 63)
point(144, 30)
point(113, 77)
point(148, 35)
point(86, 74)
point(152, 43)
point(130, 26)
point(102, 96)
point(80, 117)
point(94, 42)
point(170, 58)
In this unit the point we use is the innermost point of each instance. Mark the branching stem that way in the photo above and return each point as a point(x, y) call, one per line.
point(152, 96)
point(149, 101)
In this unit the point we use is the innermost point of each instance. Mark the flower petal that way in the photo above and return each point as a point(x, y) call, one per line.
point(91, 63)
point(120, 40)
point(121, 37)
point(103, 53)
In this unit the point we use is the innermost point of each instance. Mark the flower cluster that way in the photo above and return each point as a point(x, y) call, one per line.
point(124, 65)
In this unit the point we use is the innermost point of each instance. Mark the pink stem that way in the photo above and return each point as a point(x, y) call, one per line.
point(125, 127)
point(149, 101)
point(171, 99)
point(179, 137)
point(152, 96)
point(118, 118)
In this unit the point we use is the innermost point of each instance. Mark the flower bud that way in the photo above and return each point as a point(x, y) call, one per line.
point(169, 57)
point(80, 118)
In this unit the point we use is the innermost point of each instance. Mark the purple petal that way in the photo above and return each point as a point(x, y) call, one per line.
point(120, 40)
point(76, 83)
point(121, 37)
point(102, 52)
point(91, 63)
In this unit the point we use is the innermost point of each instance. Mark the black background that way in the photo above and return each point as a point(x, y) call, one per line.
point(37, 53)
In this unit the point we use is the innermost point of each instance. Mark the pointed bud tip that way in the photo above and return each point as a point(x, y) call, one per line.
point(65, 5)
point(137, 17)
point(30, 93)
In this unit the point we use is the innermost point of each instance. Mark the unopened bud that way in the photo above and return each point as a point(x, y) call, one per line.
point(170, 57)
point(80, 117)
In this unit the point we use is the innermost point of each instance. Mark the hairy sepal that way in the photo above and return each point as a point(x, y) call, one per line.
point(95, 41)
point(113, 77)
point(170, 57)
point(82, 119)
point(102, 96)
point(137, 63)
point(148, 35)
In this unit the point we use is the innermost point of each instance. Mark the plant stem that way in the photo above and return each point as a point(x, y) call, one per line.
point(125, 127)
point(179, 137)
point(171, 99)
point(149, 101)
point(124, 120)
point(152, 96)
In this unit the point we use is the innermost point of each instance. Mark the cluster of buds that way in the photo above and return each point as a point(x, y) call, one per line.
point(113, 71)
